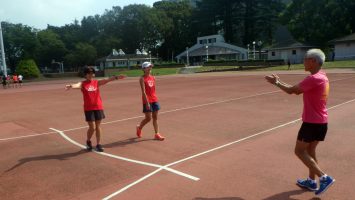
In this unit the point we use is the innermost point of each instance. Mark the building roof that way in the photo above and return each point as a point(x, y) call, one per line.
point(217, 47)
point(213, 50)
point(115, 55)
point(347, 38)
point(125, 57)
point(288, 44)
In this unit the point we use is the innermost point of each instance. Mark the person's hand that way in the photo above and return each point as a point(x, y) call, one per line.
point(147, 106)
point(273, 78)
point(67, 87)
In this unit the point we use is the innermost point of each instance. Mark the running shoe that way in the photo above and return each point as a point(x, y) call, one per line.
point(88, 145)
point(159, 137)
point(324, 184)
point(307, 183)
point(139, 132)
point(99, 148)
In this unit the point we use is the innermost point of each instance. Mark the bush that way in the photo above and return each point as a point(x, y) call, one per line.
point(28, 69)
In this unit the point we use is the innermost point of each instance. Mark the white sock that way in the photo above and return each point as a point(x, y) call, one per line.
point(313, 181)
point(323, 177)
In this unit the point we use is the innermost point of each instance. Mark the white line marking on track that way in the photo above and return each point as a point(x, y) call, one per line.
point(127, 159)
point(163, 112)
point(26, 136)
point(211, 150)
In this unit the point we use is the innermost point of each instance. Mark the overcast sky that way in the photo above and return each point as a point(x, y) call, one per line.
point(39, 13)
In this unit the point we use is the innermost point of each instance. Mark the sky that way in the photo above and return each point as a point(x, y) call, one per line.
point(39, 13)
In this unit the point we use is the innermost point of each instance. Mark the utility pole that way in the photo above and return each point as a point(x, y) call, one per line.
point(2, 51)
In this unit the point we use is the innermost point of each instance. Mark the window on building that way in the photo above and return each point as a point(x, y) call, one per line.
point(273, 53)
point(293, 52)
point(212, 40)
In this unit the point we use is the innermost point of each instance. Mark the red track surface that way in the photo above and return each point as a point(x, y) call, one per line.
point(199, 113)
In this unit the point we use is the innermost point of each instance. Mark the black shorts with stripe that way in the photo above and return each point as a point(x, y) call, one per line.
point(310, 132)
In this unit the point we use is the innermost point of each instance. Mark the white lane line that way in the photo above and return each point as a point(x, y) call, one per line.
point(214, 149)
point(26, 136)
point(132, 184)
point(163, 112)
point(140, 116)
point(250, 136)
point(127, 159)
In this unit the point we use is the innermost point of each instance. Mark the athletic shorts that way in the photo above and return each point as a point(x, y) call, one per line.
point(153, 107)
point(94, 115)
point(310, 132)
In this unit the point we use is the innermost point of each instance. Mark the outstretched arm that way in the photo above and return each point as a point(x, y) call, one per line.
point(289, 89)
point(74, 86)
point(104, 81)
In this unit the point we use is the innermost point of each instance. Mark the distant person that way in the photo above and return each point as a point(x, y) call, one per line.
point(289, 64)
point(315, 90)
point(151, 105)
point(20, 79)
point(8, 81)
point(15, 80)
point(93, 107)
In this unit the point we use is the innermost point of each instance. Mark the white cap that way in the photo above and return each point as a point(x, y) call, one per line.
point(146, 65)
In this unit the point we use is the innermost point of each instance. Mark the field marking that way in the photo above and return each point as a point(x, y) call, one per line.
point(61, 133)
point(213, 149)
point(140, 116)
point(163, 112)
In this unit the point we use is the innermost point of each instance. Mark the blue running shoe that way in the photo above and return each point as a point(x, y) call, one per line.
point(324, 184)
point(307, 183)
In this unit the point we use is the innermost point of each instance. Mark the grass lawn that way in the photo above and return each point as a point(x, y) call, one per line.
point(155, 72)
point(168, 71)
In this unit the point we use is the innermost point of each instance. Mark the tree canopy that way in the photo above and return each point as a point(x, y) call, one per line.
point(167, 28)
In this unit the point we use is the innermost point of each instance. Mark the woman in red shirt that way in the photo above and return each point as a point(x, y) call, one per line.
point(150, 101)
point(93, 107)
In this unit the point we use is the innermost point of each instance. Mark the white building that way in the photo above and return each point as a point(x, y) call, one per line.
point(212, 47)
point(120, 59)
point(344, 48)
point(288, 50)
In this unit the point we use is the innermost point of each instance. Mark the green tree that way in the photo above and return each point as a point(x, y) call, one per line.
point(175, 26)
point(28, 69)
point(318, 21)
point(84, 54)
point(50, 48)
point(20, 42)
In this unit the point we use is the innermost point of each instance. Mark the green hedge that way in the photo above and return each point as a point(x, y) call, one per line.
point(28, 69)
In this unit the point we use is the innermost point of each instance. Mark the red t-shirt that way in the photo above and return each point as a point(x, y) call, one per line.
point(149, 83)
point(91, 95)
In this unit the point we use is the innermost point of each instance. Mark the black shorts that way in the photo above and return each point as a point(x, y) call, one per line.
point(94, 115)
point(155, 106)
point(310, 132)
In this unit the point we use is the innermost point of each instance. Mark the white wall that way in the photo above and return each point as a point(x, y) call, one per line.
point(344, 51)
point(286, 54)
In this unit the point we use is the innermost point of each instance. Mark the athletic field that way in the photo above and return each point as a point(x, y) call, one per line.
point(229, 136)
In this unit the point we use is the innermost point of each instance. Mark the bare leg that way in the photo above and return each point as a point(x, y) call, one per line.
point(312, 152)
point(148, 117)
point(98, 131)
point(155, 121)
point(91, 130)
point(309, 161)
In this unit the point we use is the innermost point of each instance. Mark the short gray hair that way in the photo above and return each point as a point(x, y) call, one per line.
point(316, 54)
